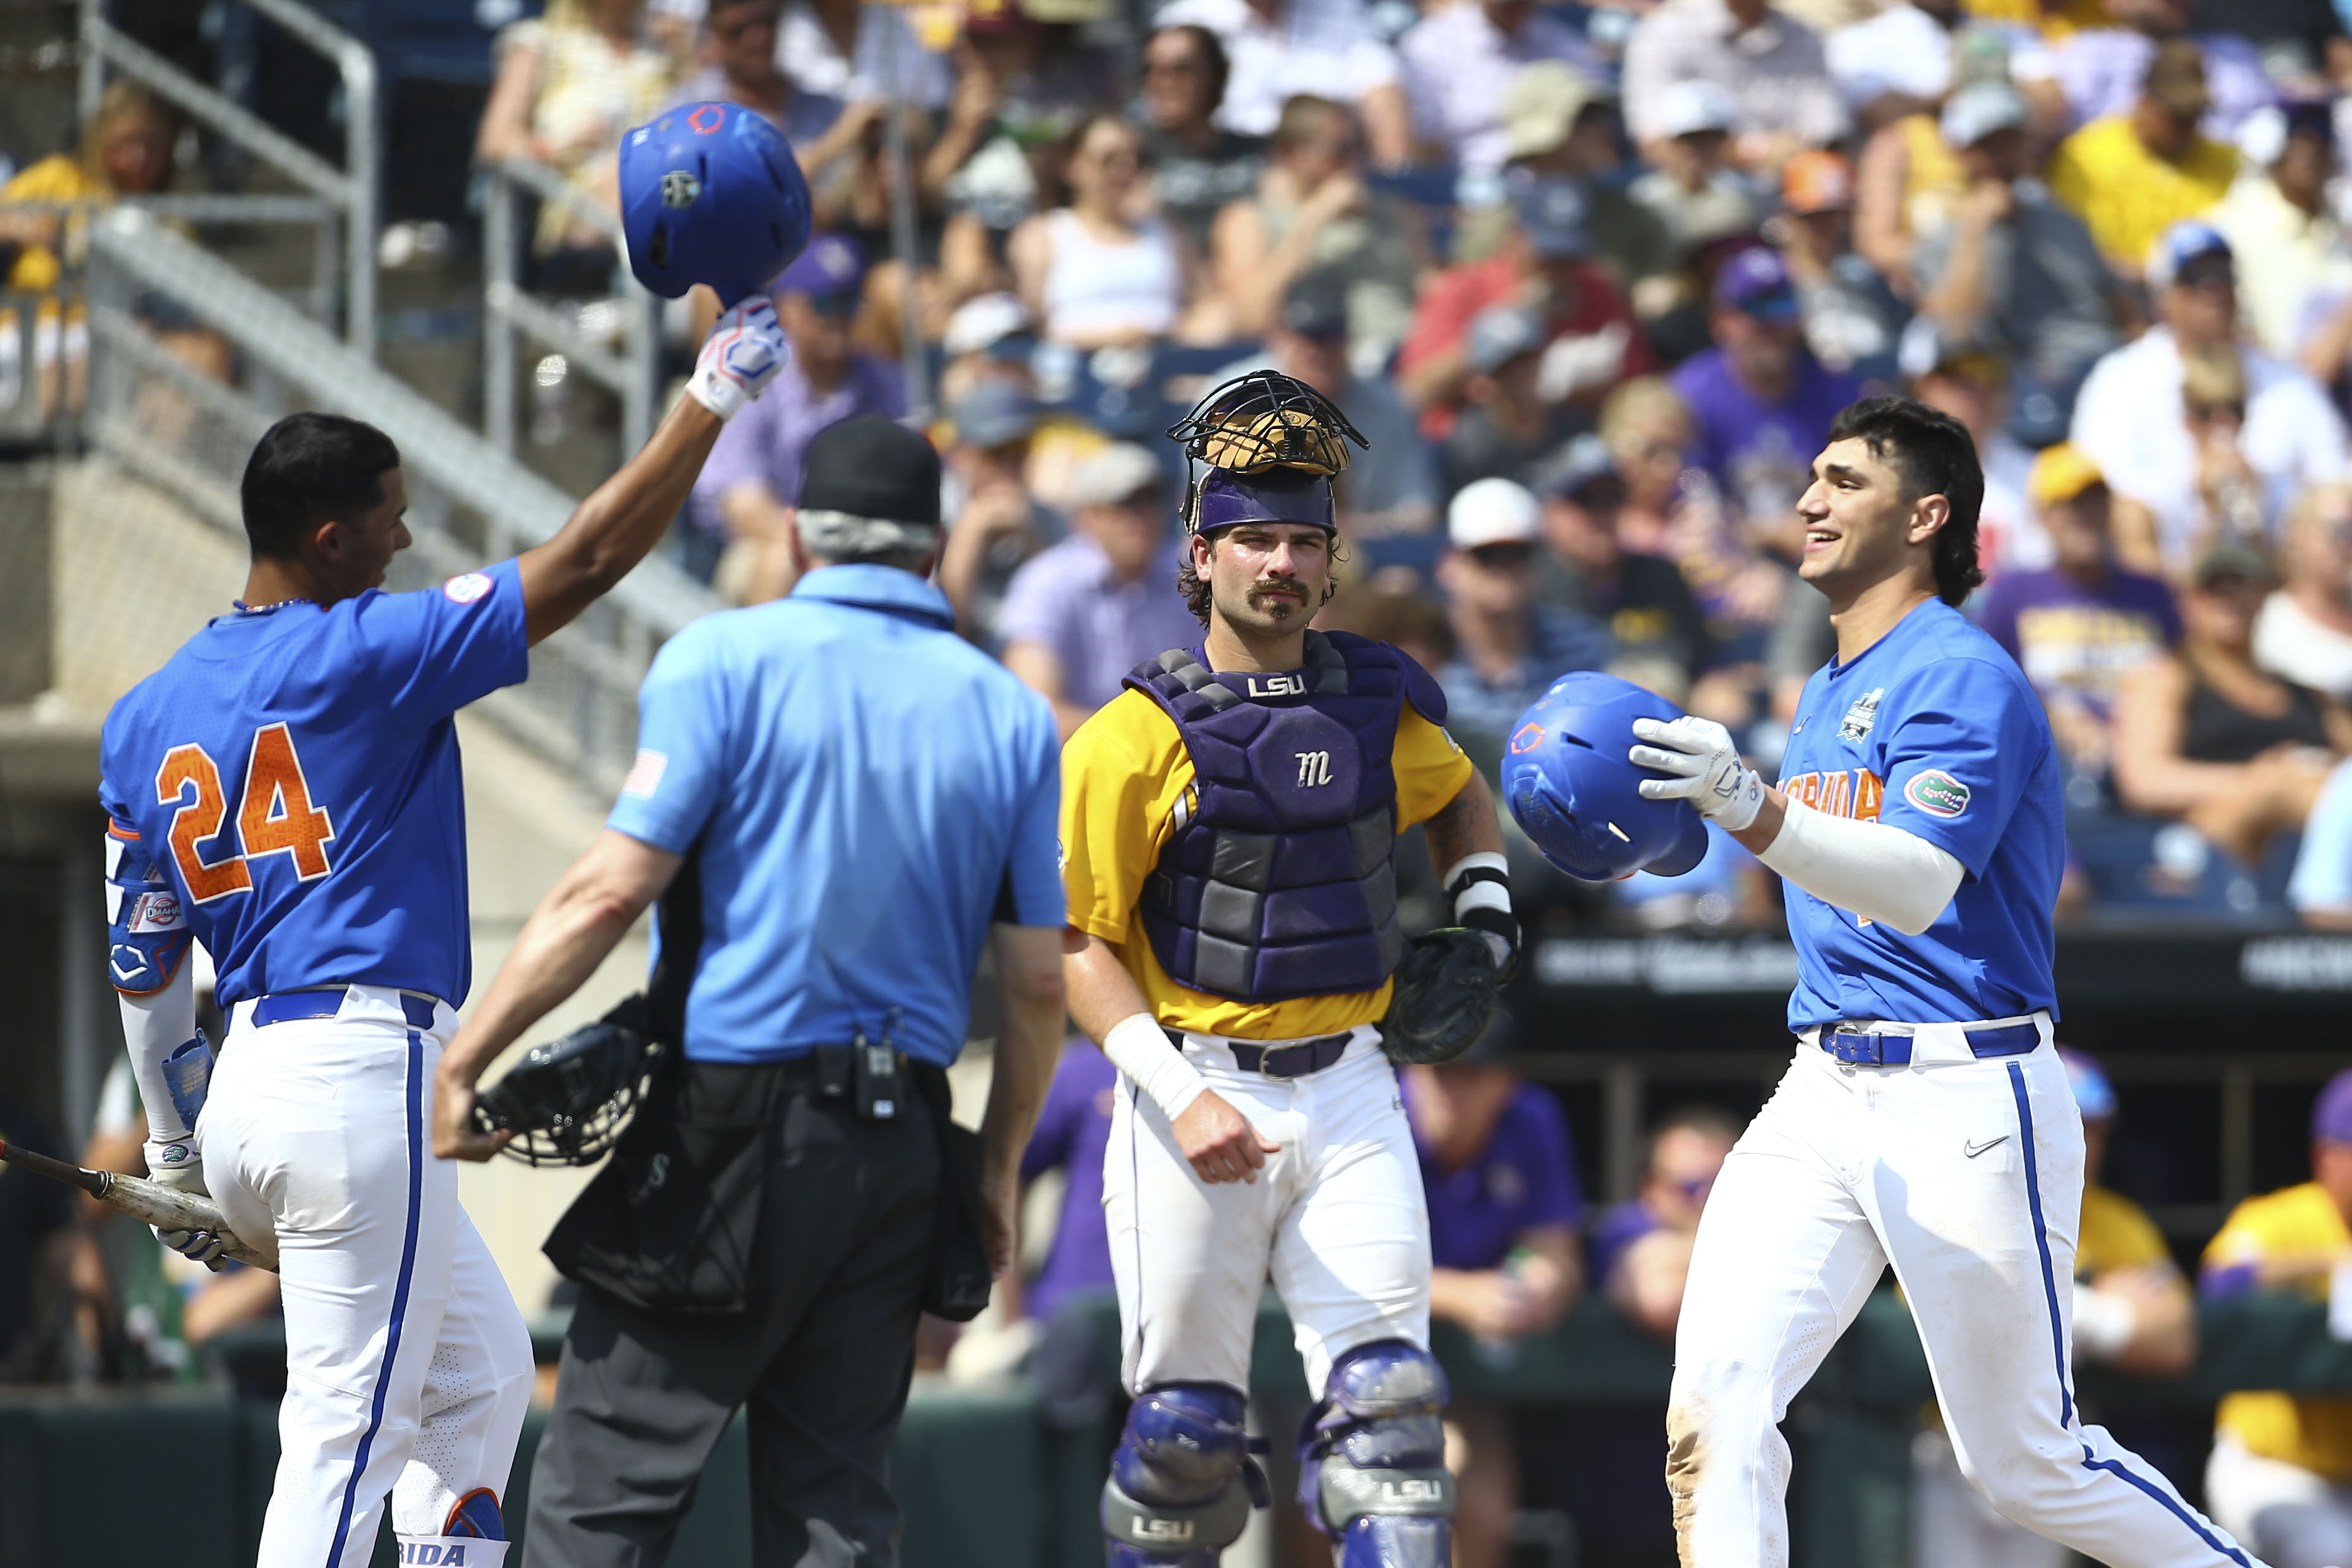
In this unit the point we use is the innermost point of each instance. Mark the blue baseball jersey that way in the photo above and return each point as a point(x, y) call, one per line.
point(869, 792)
point(293, 773)
point(1933, 730)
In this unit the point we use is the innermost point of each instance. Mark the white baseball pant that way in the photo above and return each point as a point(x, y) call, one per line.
point(1336, 1219)
point(408, 1369)
point(1967, 1176)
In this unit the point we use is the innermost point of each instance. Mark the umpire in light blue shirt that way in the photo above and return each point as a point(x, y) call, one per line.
point(836, 799)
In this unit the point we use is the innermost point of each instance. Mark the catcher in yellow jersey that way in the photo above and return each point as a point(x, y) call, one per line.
point(1228, 824)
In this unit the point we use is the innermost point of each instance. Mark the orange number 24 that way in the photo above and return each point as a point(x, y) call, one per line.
point(275, 817)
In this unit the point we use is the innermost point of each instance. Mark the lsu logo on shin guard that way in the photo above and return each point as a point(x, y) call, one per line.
point(1169, 1531)
point(1415, 1490)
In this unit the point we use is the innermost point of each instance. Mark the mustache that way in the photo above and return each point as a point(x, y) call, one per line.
point(1286, 584)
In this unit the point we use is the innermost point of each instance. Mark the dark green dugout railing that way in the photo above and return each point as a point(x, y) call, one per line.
point(129, 1479)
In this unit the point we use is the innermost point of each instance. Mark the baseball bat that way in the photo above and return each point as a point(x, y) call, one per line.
point(166, 1208)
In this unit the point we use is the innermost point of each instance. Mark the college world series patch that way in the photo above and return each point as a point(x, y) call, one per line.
point(1937, 793)
point(467, 587)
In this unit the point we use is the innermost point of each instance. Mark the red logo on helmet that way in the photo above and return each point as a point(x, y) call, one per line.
point(706, 118)
point(1528, 739)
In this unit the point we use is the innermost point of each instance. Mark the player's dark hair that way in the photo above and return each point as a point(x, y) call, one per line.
point(1196, 590)
point(1935, 456)
point(309, 468)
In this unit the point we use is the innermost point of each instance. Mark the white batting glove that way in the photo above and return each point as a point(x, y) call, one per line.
point(1705, 761)
point(745, 352)
point(178, 1165)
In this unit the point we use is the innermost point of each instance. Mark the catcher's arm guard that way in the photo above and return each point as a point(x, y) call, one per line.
point(569, 1102)
point(1446, 988)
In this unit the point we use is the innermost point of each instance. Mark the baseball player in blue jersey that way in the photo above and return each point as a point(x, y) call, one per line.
point(1925, 1122)
point(287, 791)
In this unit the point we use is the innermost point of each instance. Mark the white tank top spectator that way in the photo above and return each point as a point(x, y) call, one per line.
point(1094, 275)
point(1459, 63)
point(1280, 48)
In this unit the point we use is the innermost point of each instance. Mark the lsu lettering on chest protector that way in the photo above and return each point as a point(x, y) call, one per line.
point(1279, 880)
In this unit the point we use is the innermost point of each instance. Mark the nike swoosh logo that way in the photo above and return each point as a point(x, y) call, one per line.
point(1973, 1149)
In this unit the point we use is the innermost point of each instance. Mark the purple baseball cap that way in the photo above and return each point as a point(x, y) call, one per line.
point(1278, 497)
point(832, 264)
point(1757, 280)
point(2331, 1116)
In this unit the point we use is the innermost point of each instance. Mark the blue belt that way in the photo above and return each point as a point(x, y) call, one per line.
point(1895, 1050)
point(1282, 1061)
point(289, 1007)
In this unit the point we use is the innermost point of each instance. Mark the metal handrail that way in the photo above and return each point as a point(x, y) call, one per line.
point(579, 708)
point(352, 189)
point(633, 373)
point(220, 207)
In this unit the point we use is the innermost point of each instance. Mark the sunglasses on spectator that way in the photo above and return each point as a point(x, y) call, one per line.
point(1183, 65)
point(1501, 557)
point(2231, 410)
point(1780, 305)
point(728, 32)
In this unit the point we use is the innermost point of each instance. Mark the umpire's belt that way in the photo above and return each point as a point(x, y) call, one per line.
point(1282, 1061)
point(291, 1006)
point(1860, 1048)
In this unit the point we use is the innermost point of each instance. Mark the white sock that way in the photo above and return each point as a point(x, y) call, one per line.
point(451, 1552)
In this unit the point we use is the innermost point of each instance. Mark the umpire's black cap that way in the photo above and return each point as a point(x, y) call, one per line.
point(872, 467)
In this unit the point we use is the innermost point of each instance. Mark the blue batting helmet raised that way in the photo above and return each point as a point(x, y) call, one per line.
point(710, 193)
point(1571, 788)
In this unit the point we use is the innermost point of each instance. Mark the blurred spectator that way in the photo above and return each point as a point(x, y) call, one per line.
point(2321, 887)
point(2282, 1462)
point(1691, 191)
point(1648, 430)
point(1560, 124)
point(2132, 1311)
point(1903, 61)
point(1907, 183)
point(2294, 263)
point(1972, 388)
point(1020, 83)
point(2204, 735)
point(1641, 1248)
point(2301, 43)
point(752, 479)
point(1460, 63)
point(1197, 167)
point(1659, 631)
point(1507, 648)
point(1500, 1176)
point(1852, 318)
point(1801, 641)
point(1281, 48)
point(987, 338)
point(2079, 627)
point(1312, 211)
point(1415, 625)
point(1590, 337)
point(1079, 616)
point(855, 53)
point(2134, 173)
point(2132, 421)
point(1771, 64)
point(1507, 429)
point(568, 85)
point(37, 1226)
point(2100, 69)
point(1072, 1132)
point(2014, 273)
point(1091, 273)
point(1392, 486)
point(2304, 632)
point(742, 69)
point(1761, 403)
point(998, 523)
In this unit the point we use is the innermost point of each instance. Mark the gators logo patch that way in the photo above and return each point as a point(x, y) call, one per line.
point(1528, 739)
point(1937, 793)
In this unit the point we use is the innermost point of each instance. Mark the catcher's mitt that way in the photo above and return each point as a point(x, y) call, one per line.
point(569, 1102)
point(1264, 421)
point(1446, 987)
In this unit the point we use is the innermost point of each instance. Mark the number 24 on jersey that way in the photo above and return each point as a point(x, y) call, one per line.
point(276, 816)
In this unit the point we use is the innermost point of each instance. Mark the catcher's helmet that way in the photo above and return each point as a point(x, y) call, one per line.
point(711, 193)
point(568, 1101)
point(1571, 788)
point(1271, 444)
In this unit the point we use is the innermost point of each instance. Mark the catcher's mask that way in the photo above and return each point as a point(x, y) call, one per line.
point(1271, 444)
point(569, 1102)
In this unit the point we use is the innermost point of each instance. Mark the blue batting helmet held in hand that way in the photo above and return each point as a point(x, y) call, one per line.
point(1573, 791)
point(711, 193)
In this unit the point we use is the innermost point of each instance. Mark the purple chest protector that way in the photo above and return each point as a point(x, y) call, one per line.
point(1278, 881)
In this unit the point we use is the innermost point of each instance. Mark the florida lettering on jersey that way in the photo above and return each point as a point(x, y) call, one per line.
point(1935, 730)
point(287, 790)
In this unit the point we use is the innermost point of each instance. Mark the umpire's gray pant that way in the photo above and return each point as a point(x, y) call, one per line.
point(823, 1357)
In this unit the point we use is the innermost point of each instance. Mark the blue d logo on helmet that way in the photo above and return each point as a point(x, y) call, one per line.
point(710, 193)
point(1573, 791)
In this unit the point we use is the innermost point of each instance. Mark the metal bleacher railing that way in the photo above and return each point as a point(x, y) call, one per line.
point(189, 434)
point(348, 192)
point(628, 362)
